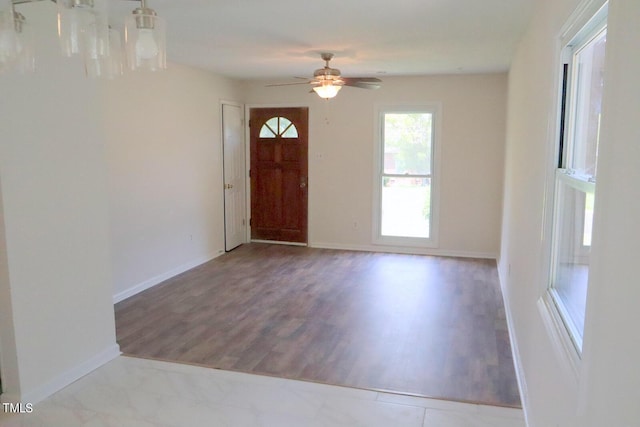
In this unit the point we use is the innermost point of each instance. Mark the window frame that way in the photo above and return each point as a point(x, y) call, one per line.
point(435, 109)
point(582, 28)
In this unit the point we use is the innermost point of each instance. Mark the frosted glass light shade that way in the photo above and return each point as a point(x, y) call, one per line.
point(115, 60)
point(107, 66)
point(83, 27)
point(327, 90)
point(8, 39)
point(145, 42)
point(25, 61)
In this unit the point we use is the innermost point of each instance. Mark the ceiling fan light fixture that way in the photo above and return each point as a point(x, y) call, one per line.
point(327, 81)
point(327, 90)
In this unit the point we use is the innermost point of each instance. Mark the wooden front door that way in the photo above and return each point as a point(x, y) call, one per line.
point(279, 167)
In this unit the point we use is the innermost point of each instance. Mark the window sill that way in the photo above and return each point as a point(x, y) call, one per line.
point(563, 346)
point(412, 242)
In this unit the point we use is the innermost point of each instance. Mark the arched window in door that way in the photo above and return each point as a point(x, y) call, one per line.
point(278, 127)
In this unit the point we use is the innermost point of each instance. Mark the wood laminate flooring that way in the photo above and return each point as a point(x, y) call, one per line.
point(408, 324)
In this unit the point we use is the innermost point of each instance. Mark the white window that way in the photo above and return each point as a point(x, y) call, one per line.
point(575, 178)
point(405, 179)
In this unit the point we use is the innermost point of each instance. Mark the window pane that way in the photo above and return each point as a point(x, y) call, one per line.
point(407, 143)
point(406, 207)
point(589, 66)
point(571, 269)
point(267, 132)
point(273, 124)
point(278, 126)
point(290, 132)
point(283, 124)
point(588, 219)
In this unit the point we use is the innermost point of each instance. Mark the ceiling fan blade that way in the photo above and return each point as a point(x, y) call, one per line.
point(362, 82)
point(289, 84)
point(364, 79)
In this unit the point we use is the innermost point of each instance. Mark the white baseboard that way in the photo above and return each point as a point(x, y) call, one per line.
point(276, 242)
point(405, 250)
point(515, 351)
point(149, 283)
point(61, 381)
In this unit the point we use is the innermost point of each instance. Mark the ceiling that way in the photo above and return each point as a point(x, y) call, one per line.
point(279, 39)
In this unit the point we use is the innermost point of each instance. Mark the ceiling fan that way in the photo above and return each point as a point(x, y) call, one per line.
point(327, 81)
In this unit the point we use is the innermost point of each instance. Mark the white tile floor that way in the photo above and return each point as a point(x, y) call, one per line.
point(129, 392)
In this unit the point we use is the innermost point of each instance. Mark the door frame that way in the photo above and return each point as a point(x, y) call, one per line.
point(247, 113)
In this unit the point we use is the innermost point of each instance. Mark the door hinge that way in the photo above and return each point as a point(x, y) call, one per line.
point(250, 222)
point(249, 173)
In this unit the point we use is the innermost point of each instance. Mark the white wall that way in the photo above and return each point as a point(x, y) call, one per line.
point(605, 389)
point(56, 231)
point(108, 187)
point(341, 142)
point(164, 156)
point(611, 375)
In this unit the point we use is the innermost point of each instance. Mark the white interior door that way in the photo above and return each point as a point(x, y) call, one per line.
point(234, 176)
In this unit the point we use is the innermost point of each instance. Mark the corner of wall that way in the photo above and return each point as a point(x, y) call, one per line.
point(66, 378)
point(8, 356)
point(156, 280)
